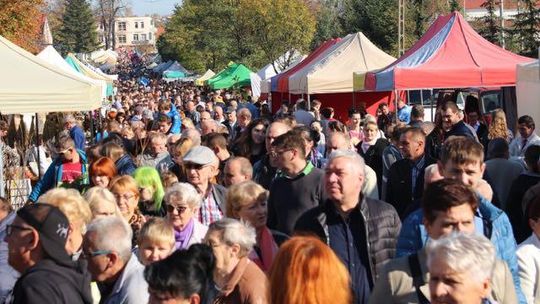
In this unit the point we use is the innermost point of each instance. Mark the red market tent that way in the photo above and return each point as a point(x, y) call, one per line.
point(449, 55)
point(280, 82)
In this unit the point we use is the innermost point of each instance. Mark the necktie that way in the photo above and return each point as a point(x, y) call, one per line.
point(524, 144)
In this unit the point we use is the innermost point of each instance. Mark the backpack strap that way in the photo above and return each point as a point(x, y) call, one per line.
point(418, 279)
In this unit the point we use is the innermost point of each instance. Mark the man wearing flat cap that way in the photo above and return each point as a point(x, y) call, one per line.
point(36, 248)
point(201, 165)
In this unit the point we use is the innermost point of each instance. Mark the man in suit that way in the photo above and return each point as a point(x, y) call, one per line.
point(479, 127)
point(406, 178)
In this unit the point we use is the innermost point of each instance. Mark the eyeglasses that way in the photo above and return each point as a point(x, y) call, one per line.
point(126, 196)
point(9, 229)
point(91, 254)
point(189, 166)
point(278, 153)
point(179, 209)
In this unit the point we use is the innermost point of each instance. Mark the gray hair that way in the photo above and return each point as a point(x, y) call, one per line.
point(112, 233)
point(192, 134)
point(69, 118)
point(355, 158)
point(235, 232)
point(98, 195)
point(185, 193)
point(462, 252)
point(245, 165)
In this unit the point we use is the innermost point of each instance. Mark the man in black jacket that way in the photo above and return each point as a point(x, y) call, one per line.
point(362, 231)
point(452, 122)
point(36, 240)
point(406, 177)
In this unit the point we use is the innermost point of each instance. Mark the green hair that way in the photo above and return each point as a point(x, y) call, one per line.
point(149, 177)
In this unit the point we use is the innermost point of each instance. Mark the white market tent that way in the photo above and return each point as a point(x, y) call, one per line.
point(50, 55)
point(528, 89)
point(207, 75)
point(28, 84)
point(332, 71)
point(260, 81)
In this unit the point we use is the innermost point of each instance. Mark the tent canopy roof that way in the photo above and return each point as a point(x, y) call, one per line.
point(449, 55)
point(31, 85)
point(280, 82)
point(332, 71)
point(207, 75)
point(235, 74)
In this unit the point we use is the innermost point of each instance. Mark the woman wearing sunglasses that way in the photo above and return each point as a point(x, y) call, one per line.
point(183, 203)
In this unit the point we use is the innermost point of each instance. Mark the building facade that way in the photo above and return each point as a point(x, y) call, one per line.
point(133, 32)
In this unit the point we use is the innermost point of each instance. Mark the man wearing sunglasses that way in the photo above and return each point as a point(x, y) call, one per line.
point(68, 167)
point(36, 241)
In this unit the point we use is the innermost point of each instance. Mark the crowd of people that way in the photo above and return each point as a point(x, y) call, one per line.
point(190, 195)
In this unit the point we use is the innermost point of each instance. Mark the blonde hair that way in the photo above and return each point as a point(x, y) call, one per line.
point(242, 194)
point(168, 179)
point(71, 203)
point(99, 195)
point(498, 127)
point(157, 230)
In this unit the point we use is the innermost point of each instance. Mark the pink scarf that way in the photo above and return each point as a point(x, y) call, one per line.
point(268, 249)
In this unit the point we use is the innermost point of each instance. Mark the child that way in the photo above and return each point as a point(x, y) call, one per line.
point(156, 241)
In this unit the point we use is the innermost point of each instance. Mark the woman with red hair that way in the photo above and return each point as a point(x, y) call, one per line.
point(102, 172)
point(306, 271)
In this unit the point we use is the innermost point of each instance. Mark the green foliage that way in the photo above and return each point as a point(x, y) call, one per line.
point(20, 22)
point(454, 6)
point(526, 27)
point(489, 26)
point(77, 33)
point(206, 34)
point(328, 25)
point(377, 19)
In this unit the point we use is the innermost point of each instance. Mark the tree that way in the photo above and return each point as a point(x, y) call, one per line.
point(328, 25)
point(287, 25)
point(454, 6)
point(489, 26)
point(377, 19)
point(20, 22)
point(250, 32)
point(107, 11)
point(526, 27)
point(78, 32)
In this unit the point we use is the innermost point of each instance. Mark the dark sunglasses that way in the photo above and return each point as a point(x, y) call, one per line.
point(190, 166)
point(179, 209)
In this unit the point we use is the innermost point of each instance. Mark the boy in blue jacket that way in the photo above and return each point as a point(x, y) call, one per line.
point(462, 158)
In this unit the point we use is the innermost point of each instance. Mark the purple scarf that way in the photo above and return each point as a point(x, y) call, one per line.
point(182, 237)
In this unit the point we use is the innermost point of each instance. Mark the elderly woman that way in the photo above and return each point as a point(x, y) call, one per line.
point(151, 190)
point(460, 268)
point(247, 201)
point(237, 277)
point(183, 203)
point(102, 171)
point(101, 202)
point(126, 193)
point(371, 149)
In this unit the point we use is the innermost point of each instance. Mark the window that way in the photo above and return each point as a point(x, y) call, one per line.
point(135, 37)
point(121, 26)
point(149, 36)
point(136, 24)
point(143, 37)
point(122, 38)
point(142, 24)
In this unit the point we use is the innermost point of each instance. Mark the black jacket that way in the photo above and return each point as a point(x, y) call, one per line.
point(460, 129)
point(399, 187)
point(382, 229)
point(373, 158)
point(49, 282)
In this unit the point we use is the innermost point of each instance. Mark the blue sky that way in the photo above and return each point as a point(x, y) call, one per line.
point(148, 7)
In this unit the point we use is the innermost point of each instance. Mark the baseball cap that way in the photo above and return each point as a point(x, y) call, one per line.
point(52, 226)
point(200, 155)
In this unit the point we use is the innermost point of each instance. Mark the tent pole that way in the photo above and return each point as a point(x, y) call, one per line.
point(37, 146)
point(308, 102)
point(395, 104)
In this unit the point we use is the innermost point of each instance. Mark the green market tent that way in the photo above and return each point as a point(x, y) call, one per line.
point(235, 75)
